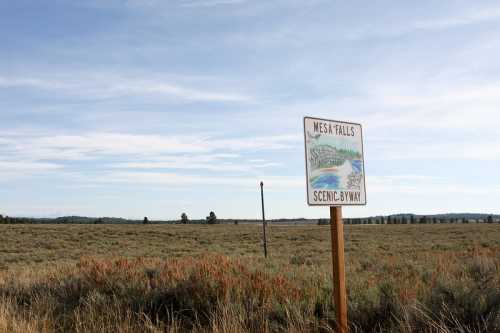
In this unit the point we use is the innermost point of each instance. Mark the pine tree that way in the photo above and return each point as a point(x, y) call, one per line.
point(211, 218)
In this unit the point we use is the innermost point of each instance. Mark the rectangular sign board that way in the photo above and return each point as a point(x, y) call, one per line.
point(335, 171)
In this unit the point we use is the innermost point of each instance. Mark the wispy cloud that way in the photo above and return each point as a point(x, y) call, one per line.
point(215, 163)
point(118, 153)
point(453, 19)
point(27, 166)
point(452, 107)
point(27, 82)
point(111, 86)
point(94, 145)
point(432, 150)
point(210, 3)
point(142, 157)
point(182, 180)
point(425, 185)
point(19, 169)
point(169, 89)
point(465, 18)
point(48, 210)
point(435, 93)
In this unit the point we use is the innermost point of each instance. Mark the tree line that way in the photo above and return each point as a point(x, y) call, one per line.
point(411, 219)
point(212, 219)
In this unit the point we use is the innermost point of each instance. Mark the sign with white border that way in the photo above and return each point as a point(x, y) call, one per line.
point(335, 171)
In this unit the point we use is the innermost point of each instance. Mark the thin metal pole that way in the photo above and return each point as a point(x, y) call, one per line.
point(264, 223)
point(339, 290)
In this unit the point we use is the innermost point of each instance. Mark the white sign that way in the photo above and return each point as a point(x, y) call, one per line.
point(335, 170)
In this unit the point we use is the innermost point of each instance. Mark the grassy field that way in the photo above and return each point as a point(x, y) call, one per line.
point(176, 278)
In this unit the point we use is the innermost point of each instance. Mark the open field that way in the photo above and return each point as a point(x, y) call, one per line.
point(401, 278)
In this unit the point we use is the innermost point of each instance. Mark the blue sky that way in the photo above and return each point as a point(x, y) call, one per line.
point(154, 108)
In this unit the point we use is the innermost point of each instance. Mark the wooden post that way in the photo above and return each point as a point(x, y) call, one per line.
point(264, 223)
point(339, 291)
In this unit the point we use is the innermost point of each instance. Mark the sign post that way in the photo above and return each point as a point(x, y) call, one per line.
point(339, 290)
point(335, 177)
point(264, 223)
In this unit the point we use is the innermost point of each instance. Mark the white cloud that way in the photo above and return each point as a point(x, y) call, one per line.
point(95, 145)
point(196, 163)
point(175, 179)
point(125, 158)
point(23, 166)
point(210, 162)
point(432, 104)
point(453, 19)
point(434, 93)
point(19, 82)
point(465, 18)
point(434, 150)
point(47, 210)
point(210, 3)
point(424, 185)
point(101, 85)
point(14, 170)
point(169, 89)
point(115, 153)
point(270, 142)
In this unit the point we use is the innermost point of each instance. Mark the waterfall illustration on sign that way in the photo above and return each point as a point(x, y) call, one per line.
point(334, 163)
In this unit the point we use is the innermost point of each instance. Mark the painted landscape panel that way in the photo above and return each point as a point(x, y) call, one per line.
point(334, 162)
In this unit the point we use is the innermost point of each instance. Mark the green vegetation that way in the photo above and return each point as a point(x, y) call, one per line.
point(349, 154)
point(326, 156)
point(390, 219)
point(211, 218)
point(213, 278)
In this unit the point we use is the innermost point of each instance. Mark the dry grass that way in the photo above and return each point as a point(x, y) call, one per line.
point(171, 278)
